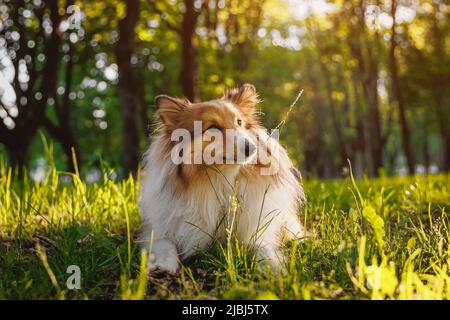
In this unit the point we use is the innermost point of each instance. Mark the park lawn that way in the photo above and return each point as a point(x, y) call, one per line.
point(384, 238)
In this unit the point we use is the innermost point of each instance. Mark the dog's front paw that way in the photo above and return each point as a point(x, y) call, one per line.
point(163, 256)
point(272, 258)
point(165, 262)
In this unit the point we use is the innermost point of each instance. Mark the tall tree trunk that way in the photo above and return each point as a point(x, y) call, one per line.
point(18, 151)
point(189, 67)
point(373, 121)
point(334, 116)
point(359, 147)
point(447, 153)
point(127, 88)
point(316, 159)
point(67, 140)
point(362, 49)
point(372, 125)
point(426, 147)
point(71, 149)
point(443, 129)
point(439, 89)
point(64, 133)
point(18, 140)
point(406, 135)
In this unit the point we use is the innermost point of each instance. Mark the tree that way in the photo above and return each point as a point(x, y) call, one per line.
point(440, 79)
point(188, 76)
point(397, 92)
point(127, 87)
point(63, 130)
point(365, 50)
point(35, 81)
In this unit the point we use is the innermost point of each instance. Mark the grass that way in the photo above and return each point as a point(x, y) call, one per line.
point(385, 238)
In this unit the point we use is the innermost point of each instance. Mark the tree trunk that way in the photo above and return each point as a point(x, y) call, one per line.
point(362, 49)
point(406, 135)
point(18, 140)
point(64, 132)
point(359, 147)
point(426, 147)
point(443, 130)
point(439, 89)
point(373, 120)
point(336, 123)
point(447, 154)
point(67, 140)
point(316, 158)
point(18, 151)
point(127, 88)
point(189, 68)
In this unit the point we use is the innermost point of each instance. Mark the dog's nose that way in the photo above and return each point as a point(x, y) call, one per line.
point(249, 148)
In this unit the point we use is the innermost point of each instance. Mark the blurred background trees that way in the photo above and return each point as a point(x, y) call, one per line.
point(375, 74)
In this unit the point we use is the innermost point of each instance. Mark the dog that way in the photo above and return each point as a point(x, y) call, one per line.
point(186, 204)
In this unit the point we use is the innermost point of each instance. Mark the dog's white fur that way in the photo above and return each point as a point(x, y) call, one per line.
point(179, 223)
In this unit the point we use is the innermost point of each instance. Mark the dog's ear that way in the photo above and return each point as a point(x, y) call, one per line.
point(169, 108)
point(245, 97)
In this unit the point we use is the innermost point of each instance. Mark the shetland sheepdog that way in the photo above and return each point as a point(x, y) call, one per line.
point(199, 184)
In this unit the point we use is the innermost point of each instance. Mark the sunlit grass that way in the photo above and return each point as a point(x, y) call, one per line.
point(385, 238)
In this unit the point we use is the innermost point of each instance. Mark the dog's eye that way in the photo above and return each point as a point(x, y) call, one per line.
point(213, 127)
point(239, 122)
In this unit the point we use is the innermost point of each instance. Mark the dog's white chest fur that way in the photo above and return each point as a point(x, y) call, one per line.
point(188, 220)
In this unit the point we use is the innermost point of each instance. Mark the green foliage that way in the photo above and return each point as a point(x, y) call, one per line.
point(385, 238)
point(337, 51)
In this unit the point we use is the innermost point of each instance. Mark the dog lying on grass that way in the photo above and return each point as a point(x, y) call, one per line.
point(212, 168)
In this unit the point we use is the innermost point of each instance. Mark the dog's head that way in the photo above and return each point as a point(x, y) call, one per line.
point(216, 132)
